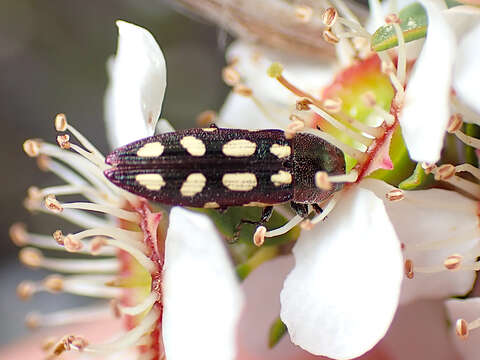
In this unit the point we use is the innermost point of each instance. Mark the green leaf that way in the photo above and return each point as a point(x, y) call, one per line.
point(413, 22)
point(277, 330)
point(418, 180)
point(227, 221)
point(470, 152)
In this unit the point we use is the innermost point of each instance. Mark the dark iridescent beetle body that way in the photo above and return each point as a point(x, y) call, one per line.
point(218, 168)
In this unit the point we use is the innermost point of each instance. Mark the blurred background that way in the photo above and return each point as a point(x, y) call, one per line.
point(52, 59)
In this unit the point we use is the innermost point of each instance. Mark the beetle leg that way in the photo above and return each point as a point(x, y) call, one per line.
point(317, 208)
point(300, 209)
point(266, 215)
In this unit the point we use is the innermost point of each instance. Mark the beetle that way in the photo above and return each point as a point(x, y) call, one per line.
point(219, 167)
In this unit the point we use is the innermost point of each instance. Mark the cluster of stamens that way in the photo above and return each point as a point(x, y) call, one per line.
point(103, 237)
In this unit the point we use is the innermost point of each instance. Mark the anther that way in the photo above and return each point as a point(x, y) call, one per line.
point(455, 123)
point(230, 76)
point(32, 320)
point(333, 106)
point(294, 127)
point(428, 168)
point(322, 182)
point(303, 13)
point(444, 172)
point(242, 90)
point(275, 70)
point(34, 193)
point(71, 244)
point(329, 16)
point(53, 283)
point(395, 195)
point(97, 244)
point(461, 328)
point(32, 147)
point(303, 104)
point(43, 162)
point(58, 237)
point(259, 236)
point(453, 262)
point(53, 204)
point(307, 225)
point(48, 343)
point(61, 122)
point(408, 268)
point(64, 141)
point(330, 37)
point(206, 118)
point(18, 234)
point(25, 290)
point(115, 306)
point(369, 99)
point(392, 19)
point(31, 257)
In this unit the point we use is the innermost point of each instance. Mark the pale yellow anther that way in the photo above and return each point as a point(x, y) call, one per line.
point(333, 106)
point(115, 306)
point(322, 182)
point(61, 122)
point(242, 90)
point(294, 127)
point(392, 19)
point(53, 283)
point(31, 257)
point(32, 147)
point(461, 329)
point(206, 118)
point(444, 172)
point(64, 141)
point(306, 225)
point(453, 262)
point(395, 195)
point(455, 123)
point(428, 168)
point(230, 76)
point(51, 203)
point(408, 268)
point(275, 70)
point(303, 13)
point(32, 320)
point(303, 104)
point(259, 236)
point(25, 290)
point(18, 234)
point(97, 244)
point(71, 244)
point(34, 193)
point(69, 342)
point(330, 37)
point(58, 237)
point(369, 99)
point(329, 16)
point(43, 162)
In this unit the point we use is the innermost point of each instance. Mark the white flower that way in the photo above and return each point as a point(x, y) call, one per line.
point(447, 60)
point(185, 288)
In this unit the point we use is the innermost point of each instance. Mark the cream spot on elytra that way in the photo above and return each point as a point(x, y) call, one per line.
point(194, 184)
point(239, 147)
point(281, 178)
point(150, 181)
point(194, 146)
point(152, 149)
point(280, 151)
point(239, 181)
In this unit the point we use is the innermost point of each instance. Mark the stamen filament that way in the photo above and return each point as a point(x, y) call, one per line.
point(331, 204)
point(128, 339)
point(72, 316)
point(468, 168)
point(140, 308)
point(111, 210)
point(402, 55)
point(351, 177)
point(285, 228)
point(468, 140)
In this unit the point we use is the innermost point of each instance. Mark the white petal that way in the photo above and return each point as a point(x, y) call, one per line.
point(253, 61)
point(262, 288)
point(241, 112)
point(202, 296)
point(419, 331)
point(342, 294)
point(425, 113)
point(467, 69)
point(138, 77)
point(424, 217)
point(469, 310)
